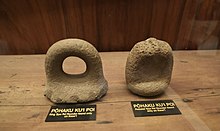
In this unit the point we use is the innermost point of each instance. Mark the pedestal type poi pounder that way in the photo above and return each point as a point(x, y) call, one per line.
point(68, 88)
point(149, 67)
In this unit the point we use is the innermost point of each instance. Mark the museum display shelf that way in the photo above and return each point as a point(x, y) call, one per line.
point(194, 87)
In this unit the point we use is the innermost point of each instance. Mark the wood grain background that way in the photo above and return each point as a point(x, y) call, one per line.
point(32, 26)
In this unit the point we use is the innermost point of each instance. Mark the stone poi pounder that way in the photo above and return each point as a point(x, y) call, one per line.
point(73, 88)
point(149, 67)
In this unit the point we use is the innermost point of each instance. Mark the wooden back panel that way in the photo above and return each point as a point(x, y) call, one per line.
point(31, 27)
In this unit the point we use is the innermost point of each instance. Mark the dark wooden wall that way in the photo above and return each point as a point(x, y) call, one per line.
point(32, 26)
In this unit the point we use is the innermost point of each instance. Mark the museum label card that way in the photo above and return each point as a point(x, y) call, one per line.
point(71, 113)
point(154, 108)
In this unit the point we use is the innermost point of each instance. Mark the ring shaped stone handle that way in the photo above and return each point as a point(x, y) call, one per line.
point(149, 67)
point(72, 88)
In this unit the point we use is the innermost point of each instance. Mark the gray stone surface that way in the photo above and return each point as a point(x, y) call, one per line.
point(149, 67)
point(67, 88)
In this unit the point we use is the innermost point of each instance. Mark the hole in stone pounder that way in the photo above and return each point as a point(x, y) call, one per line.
point(74, 65)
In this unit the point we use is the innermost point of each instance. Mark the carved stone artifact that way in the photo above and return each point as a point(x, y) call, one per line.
point(68, 88)
point(149, 67)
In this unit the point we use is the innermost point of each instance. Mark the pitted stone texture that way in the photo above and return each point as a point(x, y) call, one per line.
point(149, 67)
point(67, 88)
